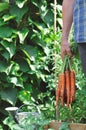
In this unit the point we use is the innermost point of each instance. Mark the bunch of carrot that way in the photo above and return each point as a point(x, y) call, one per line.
point(66, 88)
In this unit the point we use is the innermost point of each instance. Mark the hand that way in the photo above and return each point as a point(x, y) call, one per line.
point(65, 49)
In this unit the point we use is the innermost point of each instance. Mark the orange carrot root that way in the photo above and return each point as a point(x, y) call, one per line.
point(73, 87)
point(62, 88)
point(67, 75)
point(66, 88)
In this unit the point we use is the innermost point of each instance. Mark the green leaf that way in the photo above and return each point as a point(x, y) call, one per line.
point(11, 123)
point(47, 50)
point(33, 67)
point(20, 3)
point(9, 95)
point(19, 13)
point(1, 127)
point(36, 3)
point(40, 26)
point(17, 81)
point(7, 31)
point(22, 34)
point(10, 47)
point(3, 6)
point(47, 16)
point(8, 17)
point(3, 77)
point(13, 68)
point(24, 96)
point(3, 65)
point(60, 21)
point(24, 67)
point(5, 54)
point(31, 51)
point(2, 22)
point(42, 77)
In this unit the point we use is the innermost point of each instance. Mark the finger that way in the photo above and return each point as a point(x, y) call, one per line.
point(63, 55)
point(69, 53)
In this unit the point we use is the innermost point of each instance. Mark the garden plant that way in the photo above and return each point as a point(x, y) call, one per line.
point(30, 63)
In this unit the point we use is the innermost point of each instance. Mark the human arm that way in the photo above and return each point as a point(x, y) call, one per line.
point(67, 18)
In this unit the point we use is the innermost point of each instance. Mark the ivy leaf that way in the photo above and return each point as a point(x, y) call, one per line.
point(17, 81)
point(4, 6)
point(60, 21)
point(22, 34)
point(11, 123)
point(5, 54)
point(47, 50)
point(36, 3)
point(24, 96)
point(13, 69)
point(9, 95)
point(3, 64)
point(24, 67)
point(2, 22)
point(7, 31)
point(31, 51)
point(47, 16)
point(8, 17)
point(10, 47)
point(19, 13)
point(20, 3)
point(33, 68)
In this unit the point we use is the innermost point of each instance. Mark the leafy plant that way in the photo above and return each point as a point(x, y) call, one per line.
point(26, 46)
point(25, 118)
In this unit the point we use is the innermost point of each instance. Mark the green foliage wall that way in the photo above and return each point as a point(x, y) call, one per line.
point(26, 46)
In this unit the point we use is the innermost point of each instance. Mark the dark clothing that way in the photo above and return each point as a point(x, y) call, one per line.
point(82, 53)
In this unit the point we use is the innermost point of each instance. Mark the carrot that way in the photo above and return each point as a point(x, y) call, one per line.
point(62, 87)
point(73, 87)
point(66, 84)
point(67, 75)
point(58, 90)
point(65, 95)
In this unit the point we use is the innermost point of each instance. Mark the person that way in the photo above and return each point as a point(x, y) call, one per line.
point(74, 13)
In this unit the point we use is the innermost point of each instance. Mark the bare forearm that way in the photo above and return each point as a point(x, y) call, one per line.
point(67, 17)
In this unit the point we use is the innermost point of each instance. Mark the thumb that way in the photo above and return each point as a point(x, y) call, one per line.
point(69, 53)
